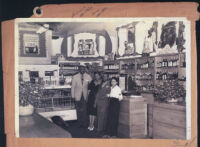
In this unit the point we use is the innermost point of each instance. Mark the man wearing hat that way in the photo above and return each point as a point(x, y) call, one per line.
point(79, 92)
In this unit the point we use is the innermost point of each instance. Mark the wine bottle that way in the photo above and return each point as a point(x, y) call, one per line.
point(170, 63)
point(163, 63)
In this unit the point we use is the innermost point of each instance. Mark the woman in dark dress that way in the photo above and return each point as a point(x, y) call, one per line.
point(101, 103)
point(92, 111)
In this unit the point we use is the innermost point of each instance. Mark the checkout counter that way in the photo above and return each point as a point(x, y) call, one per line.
point(133, 117)
point(142, 117)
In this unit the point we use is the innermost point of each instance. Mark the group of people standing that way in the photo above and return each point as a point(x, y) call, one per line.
point(97, 100)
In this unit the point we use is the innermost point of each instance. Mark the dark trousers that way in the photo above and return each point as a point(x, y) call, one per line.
point(81, 108)
point(113, 117)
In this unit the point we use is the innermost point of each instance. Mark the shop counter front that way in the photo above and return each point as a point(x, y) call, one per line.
point(169, 121)
point(35, 126)
point(133, 117)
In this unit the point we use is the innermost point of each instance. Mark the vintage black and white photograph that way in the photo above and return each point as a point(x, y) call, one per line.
point(103, 78)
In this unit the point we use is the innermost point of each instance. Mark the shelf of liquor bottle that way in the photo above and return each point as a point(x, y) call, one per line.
point(166, 76)
point(167, 62)
point(111, 70)
point(127, 67)
point(110, 62)
point(111, 67)
point(167, 67)
point(167, 72)
point(163, 80)
point(145, 69)
point(128, 71)
point(145, 80)
point(145, 75)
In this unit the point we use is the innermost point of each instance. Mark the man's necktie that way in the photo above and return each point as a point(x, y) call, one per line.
point(82, 78)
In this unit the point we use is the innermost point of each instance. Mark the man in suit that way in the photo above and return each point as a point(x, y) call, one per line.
point(79, 92)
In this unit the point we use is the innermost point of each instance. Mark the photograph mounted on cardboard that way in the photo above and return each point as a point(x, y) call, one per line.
point(103, 78)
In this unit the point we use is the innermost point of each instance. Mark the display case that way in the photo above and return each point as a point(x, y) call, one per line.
point(54, 99)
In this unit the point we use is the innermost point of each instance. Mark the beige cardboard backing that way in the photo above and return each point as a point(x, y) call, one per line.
point(188, 10)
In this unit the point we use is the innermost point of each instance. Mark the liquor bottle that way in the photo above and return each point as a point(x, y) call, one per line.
point(166, 63)
point(164, 76)
point(170, 63)
point(163, 63)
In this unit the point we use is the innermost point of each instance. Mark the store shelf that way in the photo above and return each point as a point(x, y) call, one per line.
point(145, 66)
point(111, 71)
